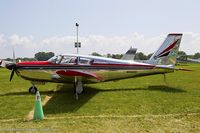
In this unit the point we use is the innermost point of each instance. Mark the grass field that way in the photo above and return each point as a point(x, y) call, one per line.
point(146, 104)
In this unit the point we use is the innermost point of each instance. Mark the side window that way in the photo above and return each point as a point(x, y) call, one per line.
point(65, 60)
point(84, 61)
point(73, 60)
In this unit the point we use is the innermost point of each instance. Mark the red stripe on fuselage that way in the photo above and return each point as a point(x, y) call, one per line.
point(32, 63)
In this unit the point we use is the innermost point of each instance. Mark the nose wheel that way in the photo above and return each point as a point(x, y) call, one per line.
point(32, 89)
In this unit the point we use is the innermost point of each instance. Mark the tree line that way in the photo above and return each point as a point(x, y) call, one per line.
point(43, 56)
point(40, 56)
point(141, 56)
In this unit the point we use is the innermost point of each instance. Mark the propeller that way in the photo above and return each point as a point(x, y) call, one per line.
point(12, 66)
point(13, 71)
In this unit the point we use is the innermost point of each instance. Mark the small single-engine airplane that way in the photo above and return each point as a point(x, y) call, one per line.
point(80, 69)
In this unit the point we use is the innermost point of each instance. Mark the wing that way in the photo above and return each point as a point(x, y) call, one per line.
point(72, 73)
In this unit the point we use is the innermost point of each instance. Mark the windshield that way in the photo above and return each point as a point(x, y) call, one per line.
point(55, 59)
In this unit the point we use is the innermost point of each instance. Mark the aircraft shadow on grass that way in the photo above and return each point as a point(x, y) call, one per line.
point(63, 100)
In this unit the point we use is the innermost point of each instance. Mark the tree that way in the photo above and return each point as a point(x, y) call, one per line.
point(182, 56)
point(196, 56)
point(9, 59)
point(181, 53)
point(27, 59)
point(96, 54)
point(109, 56)
point(42, 56)
point(149, 55)
point(140, 56)
point(117, 56)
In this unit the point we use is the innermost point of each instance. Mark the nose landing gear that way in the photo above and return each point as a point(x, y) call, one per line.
point(32, 89)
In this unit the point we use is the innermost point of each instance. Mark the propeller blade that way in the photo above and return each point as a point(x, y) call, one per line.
point(12, 74)
point(13, 68)
point(14, 60)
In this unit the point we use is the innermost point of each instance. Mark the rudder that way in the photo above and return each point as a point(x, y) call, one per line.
point(168, 51)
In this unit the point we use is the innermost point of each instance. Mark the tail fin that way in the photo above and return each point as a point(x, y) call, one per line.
point(167, 52)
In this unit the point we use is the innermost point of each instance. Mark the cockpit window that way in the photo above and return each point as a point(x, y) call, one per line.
point(68, 60)
point(64, 59)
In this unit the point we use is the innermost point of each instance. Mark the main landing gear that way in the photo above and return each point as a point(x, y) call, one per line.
point(78, 87)
point(32, 89)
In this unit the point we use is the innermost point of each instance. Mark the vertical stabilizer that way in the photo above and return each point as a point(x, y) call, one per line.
point(168, 51)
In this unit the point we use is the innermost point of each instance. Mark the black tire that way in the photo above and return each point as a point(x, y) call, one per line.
point(32, 90)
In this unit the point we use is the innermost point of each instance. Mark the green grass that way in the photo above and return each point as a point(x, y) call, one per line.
point(146, 104)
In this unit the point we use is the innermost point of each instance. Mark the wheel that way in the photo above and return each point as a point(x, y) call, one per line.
point(32, 90)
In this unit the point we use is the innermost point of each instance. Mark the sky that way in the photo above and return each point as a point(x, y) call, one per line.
point(105, 26)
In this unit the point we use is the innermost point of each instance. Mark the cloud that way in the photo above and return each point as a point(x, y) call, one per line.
point(26, 42)
point(26, 46)
point(58, 44)
point(190, 43)
point(2, 40)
